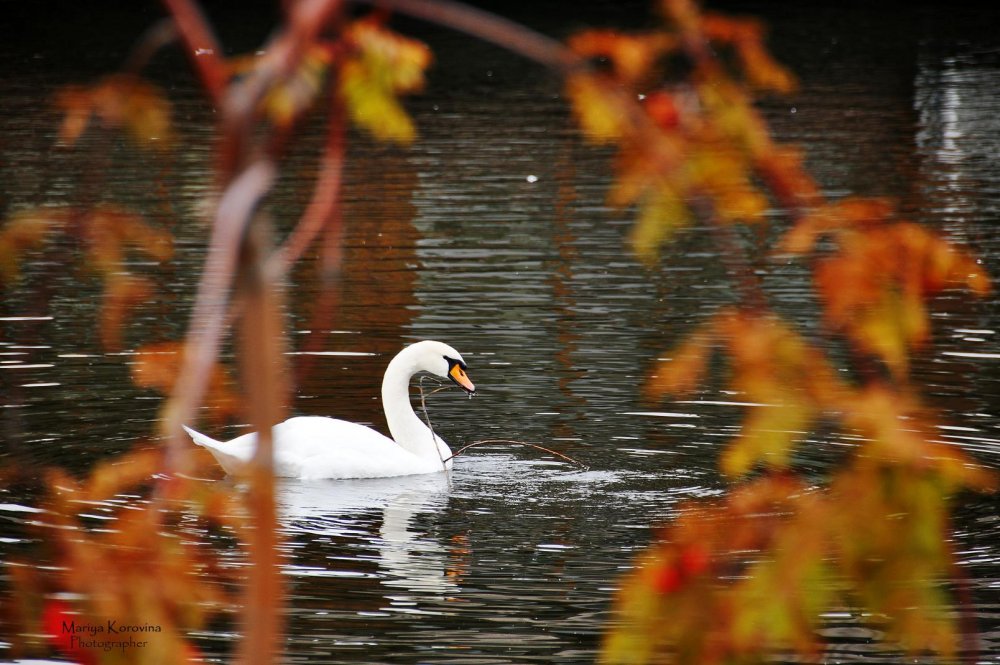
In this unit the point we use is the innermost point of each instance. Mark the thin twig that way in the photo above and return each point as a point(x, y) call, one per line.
point(427, 417)
point(202, 47)
point(490, 28)
point(322, 211)
point(158, 35)
point(517, 443)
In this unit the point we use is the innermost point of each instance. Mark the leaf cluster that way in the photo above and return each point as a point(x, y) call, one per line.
point(147, 570)
point(694, 143)
point(752, 574)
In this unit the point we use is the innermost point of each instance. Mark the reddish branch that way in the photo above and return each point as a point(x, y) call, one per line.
point(322, 211)
point(203, 48)
point(490, 28)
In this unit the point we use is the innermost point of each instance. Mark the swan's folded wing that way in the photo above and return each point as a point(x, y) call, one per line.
point(311, 447)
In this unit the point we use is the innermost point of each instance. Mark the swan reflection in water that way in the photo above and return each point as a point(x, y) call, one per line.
point(406, 558)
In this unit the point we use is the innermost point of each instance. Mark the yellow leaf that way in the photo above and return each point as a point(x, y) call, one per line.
point(661, 214)
point(598, 112)
point(373, 107)
point(742, 203)
point(767, 437)
point(382, 66)
point(297, 91)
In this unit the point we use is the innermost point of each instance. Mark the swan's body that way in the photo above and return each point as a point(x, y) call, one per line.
point(314, 447)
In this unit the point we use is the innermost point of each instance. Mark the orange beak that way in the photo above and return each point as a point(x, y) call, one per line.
point(459, 376)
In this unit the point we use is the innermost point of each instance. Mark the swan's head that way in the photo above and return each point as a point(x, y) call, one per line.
point(442, 360)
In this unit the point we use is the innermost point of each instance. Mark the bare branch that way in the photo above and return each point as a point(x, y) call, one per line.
point(202, 46)
point(208, 318)
point(491, 28)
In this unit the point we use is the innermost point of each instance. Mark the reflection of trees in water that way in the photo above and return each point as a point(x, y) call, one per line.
point(958, 100)
point(368, 306)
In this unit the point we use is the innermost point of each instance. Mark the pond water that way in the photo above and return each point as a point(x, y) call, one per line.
point(491, 233)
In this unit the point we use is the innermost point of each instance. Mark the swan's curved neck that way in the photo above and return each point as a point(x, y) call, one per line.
point(405, 426)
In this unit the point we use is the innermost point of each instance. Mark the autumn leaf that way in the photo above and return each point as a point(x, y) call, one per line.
point(876, 285)
point(782, 169)
point(684, 367)
point(598, 112)
point(110, 232)
point(718, 173)
point(55, 615)
point(156, 366)
point(381, 66)
point(770, 361)
point(831, 218)
point(122, 293)
point(25, 230)
point(118, 101)
point(767, 436)
point(632, 56)
point(898, 572)
point(746, 37)
point(790, 382)
point(112, 477)
point(296, 92)
point(661, 214)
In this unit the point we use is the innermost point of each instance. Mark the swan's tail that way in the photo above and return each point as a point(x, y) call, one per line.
point(201, 439)
point(231, 463)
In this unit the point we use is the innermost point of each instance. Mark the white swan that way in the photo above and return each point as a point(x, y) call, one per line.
point(315, 447)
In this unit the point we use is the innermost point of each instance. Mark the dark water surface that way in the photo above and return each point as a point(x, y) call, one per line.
point(491, 233)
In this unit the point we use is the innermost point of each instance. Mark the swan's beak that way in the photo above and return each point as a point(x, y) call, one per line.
point(458, 375)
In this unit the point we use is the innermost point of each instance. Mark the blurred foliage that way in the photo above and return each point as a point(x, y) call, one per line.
point(734, 580)
point(157, 365)
point(119, 101)
point(109, 236)
point(146, 572)
point(695, 136)
point(154, 567)
point(381, 65)
point(752, 575)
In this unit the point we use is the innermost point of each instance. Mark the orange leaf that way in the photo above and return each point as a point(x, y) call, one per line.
point(782, 169)
point(120, 101)
point(111, 231)
point(121, 474)
point(157, 366)
point(834, 217)
point(681, 373)
point(632, 56)
point(875, 288)
point(24, 230)
point(122, 293)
